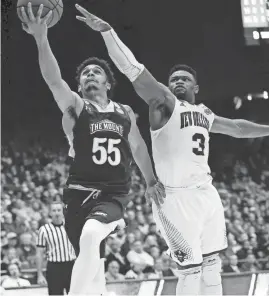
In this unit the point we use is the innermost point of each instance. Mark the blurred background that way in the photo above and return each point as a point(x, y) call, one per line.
point(227, 42)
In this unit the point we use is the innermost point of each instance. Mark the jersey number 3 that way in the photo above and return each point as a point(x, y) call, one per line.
point(200, 138)
point(105, 154)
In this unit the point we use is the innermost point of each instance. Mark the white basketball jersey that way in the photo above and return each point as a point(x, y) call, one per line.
point(180, 148)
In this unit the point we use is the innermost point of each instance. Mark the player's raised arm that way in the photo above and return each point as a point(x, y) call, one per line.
point(37, 27)
point(146, 86)
point(155, 190)
point(239, 128)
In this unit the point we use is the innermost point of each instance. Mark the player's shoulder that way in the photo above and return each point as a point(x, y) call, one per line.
point(130, 112)
point(127, 108)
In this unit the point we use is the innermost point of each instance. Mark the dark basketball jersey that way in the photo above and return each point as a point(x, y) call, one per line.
point(102, 154)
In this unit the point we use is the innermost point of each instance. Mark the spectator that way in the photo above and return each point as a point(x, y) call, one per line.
point(136, 272)
point(27, 251)
point(138, 256)
point(4, 240)
point(243, 237)
point(251, 264)
point(232, 266)
point(233, 245)
point(154, 252)
point(142, 225)
point(157, 272)
point(12, 239)
point(131, 222)
point(34, 226)
point(242, 253)
point(121, 236)
point(128, 243)
point(10, 257)
point(150, 218)
point(138, 234)
point(150, 241)
point(116, 255)
point(168, 265)
point(113, 273)
point(153, 228)
point(8, 224)
point(13, 279)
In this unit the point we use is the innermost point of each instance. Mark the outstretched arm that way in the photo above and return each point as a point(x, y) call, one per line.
point(146, 86)
point(49, 67)
point(239, 128)
point(142, 159)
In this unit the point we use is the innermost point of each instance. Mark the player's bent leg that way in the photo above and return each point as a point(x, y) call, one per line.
point(211, 277)
point(88, 261)
point(188, 281)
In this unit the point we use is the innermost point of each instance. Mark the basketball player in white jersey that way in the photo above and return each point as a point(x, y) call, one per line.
point(191, 218)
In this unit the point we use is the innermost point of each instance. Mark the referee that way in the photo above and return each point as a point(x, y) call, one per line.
point(53, 239)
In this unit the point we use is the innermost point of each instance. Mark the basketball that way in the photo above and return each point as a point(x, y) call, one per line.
point(55, 5)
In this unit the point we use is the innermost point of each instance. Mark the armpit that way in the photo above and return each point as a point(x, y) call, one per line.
point(69, 120)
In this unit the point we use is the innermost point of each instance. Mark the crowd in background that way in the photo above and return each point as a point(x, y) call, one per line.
point(31, 179)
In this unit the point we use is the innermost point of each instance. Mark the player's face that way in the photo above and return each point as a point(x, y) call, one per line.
point(93, 78)
point(183, 85)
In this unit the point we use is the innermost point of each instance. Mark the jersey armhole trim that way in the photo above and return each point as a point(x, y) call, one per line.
point(211, 115)
point(157, 131)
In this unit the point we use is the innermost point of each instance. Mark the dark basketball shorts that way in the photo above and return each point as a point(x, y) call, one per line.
point(105, 208)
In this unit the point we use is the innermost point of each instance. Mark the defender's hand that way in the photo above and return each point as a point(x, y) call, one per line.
point(35, 25)
point(156, 193)
point(92, 21)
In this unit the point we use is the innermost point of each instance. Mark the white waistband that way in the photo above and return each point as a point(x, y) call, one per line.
point(175, 189)
point(80, 187)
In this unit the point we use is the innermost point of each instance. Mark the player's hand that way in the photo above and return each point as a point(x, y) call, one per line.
point(41, 280)
point(35, 25)
point(155, 193)
point(92, 21)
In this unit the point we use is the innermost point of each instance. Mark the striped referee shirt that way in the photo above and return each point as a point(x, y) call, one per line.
point(54, 238)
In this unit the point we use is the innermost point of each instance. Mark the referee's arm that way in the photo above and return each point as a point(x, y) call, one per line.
point(41, 245)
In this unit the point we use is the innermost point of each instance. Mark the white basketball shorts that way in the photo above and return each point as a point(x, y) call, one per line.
point(192, 223)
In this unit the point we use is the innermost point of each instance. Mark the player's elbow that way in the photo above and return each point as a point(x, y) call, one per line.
point(238, 130)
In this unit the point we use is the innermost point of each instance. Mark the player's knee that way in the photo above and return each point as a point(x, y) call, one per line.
point(92, 232)
point(211, 269)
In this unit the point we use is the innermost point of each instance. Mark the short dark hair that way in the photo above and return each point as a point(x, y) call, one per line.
point(55, 202)
point(13, 263)
point(104, 65)
point(184, 68)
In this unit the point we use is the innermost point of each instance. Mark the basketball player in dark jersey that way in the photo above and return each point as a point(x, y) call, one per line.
point(104, 139)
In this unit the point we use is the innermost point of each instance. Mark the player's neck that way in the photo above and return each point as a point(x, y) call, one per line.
point(100, 100)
